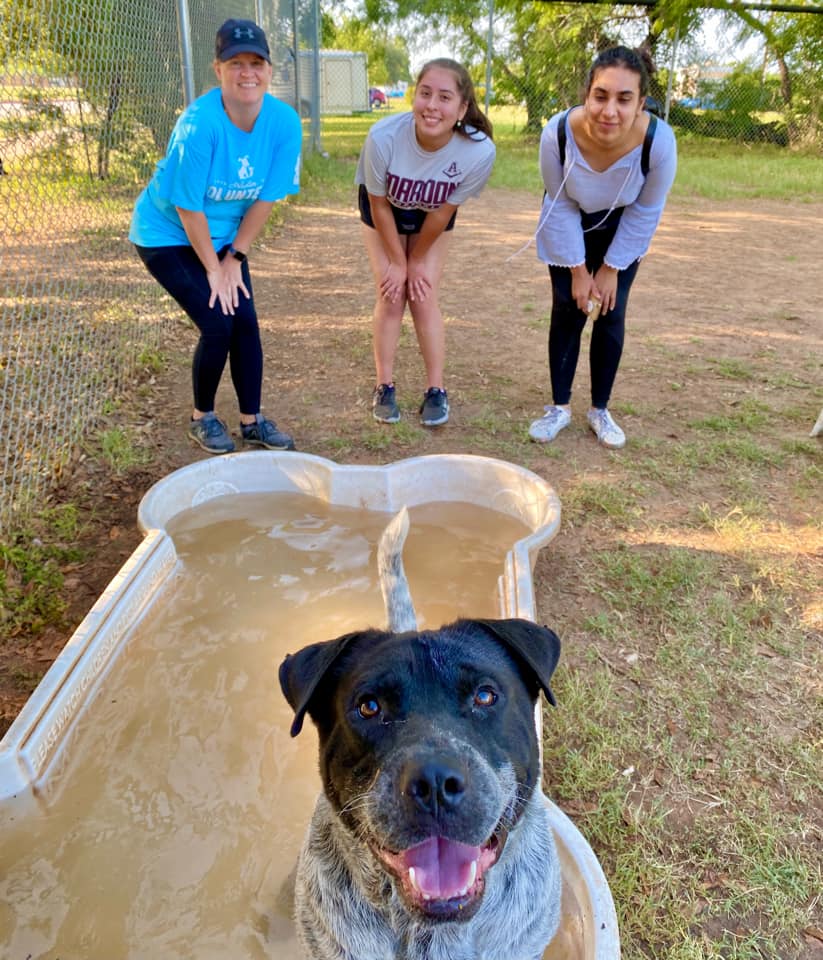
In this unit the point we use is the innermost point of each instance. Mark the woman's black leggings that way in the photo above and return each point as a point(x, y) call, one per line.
point(236, 338)
point(567, 321)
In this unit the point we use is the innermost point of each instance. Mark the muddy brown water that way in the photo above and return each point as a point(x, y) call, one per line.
point(181, 808)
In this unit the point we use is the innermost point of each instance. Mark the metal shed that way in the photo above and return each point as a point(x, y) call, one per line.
point(344, 84)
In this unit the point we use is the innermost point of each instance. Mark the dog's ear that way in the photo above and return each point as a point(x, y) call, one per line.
point(538, 646)
point(301, 672)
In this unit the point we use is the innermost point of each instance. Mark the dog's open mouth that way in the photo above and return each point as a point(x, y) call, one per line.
point(444, 878)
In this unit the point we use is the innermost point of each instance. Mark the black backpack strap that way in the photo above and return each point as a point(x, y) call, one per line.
point(647, 145)
point(561, 137)
point(647, 141)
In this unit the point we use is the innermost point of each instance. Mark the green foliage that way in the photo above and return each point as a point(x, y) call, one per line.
point(542, 51)
point(31, 577)
point(388, 54)
point(542, 61)
point(720, 169)
point(120, 451)
point(123, 58)
point(716, 169)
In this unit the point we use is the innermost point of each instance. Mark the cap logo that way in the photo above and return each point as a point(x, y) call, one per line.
point(241, 32)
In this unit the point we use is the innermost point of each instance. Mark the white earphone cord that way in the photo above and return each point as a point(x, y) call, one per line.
point(546, 213)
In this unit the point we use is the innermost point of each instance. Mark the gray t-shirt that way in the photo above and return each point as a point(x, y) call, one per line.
point(393, 165)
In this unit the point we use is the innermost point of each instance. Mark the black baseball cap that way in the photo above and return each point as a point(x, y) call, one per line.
point(241, 36)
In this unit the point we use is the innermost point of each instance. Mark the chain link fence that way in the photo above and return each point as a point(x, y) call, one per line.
point(89, 93)
point(718, 78)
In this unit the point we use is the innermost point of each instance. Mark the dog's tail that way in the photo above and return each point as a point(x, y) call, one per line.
point(393, 582)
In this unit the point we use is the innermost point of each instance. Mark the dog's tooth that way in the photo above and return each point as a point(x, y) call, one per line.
point(413, 879)
point(472, 874)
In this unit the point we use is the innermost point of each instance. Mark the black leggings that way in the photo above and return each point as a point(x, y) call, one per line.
point(236, 338)
point(568, 321)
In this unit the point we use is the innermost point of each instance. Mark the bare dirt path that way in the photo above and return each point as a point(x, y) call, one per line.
point(724, 312)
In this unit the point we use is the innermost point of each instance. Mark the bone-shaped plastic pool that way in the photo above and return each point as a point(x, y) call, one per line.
point(151, 801)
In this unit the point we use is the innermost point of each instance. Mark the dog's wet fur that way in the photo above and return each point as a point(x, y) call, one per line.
point(431, 839)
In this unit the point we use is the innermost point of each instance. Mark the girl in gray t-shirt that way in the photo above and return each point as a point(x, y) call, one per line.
point(414, 171)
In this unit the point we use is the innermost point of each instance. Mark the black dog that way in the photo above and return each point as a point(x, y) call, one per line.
point(431, 840)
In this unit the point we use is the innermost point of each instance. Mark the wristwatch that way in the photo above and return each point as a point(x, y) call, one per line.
point(237, 254)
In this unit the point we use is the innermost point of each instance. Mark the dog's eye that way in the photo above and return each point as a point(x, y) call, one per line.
point(485, 697)
point(368, 708)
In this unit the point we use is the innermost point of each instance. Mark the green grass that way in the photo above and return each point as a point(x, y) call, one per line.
point(31, 576)
point(682, 808)
point(722, 170)
point(588, 499)
point(714, 169)
point(399, 438)
point(121, 451)
point(686, 741)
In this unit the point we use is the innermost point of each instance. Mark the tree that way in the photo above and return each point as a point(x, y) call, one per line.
point(388, 55)
point(541, 50)
point(793, 41)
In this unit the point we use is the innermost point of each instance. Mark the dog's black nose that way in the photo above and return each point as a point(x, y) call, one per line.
point(434, 786)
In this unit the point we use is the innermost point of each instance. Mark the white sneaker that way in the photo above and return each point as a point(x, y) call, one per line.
point(606, 430)
point(550, 424)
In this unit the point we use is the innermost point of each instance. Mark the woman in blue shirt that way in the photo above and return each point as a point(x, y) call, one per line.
point(607, 167)
point(234, 151)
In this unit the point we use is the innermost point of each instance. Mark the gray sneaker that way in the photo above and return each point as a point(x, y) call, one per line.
point(384, 405)
point(211, 434)
point(550, 424)
point(264, 433)
point(606, 430)
point(434, 410)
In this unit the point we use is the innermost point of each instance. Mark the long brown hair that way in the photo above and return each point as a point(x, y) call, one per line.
point(473, 116)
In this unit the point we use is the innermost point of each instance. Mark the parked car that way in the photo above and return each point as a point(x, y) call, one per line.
point(377, 98)
point(698, 103)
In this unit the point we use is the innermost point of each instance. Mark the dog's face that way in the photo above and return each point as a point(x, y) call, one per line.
point(428, 748)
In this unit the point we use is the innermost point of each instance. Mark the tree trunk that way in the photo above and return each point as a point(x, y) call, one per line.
point(792, 130)
point(106, 141)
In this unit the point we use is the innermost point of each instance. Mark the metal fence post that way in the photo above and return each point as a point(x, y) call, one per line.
point(489, 53)
point(186, 64)
point(295, 30)
point(315, 93)
point(672, 68)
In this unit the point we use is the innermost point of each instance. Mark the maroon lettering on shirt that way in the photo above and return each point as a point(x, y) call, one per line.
point(407, 193)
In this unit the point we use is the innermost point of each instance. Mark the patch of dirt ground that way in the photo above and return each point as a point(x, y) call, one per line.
point(723, 328)
point(723, 313)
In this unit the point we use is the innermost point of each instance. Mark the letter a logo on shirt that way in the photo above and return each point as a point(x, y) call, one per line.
point(453, 170)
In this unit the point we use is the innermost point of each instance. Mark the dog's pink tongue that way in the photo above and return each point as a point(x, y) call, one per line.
point(442, 869)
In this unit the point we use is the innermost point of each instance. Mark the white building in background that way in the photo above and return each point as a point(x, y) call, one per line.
point(344, 84)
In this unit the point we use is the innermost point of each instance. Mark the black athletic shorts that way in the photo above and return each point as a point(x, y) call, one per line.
point(408, 221)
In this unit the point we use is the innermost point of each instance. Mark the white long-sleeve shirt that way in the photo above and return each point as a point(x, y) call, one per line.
point(576, 187)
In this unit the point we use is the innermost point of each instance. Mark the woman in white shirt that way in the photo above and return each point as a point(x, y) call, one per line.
point(607, 167)
point(414, 171)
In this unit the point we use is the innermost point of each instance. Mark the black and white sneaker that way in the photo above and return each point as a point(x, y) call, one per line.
point(210, 433)
point(384, 404)
point(264, 433)
point(434, 410)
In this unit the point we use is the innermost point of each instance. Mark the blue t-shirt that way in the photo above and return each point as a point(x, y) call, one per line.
point(213, 167)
